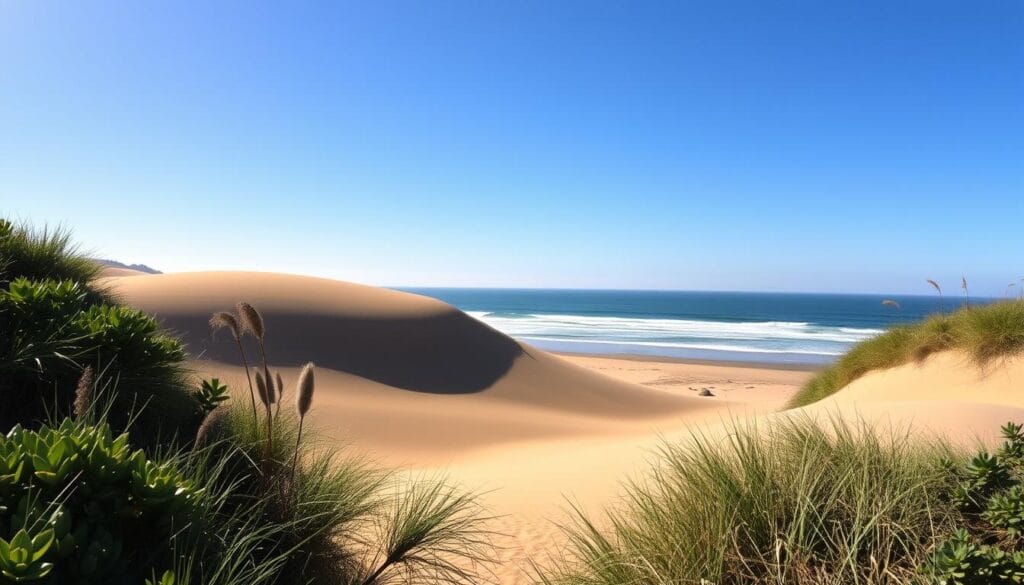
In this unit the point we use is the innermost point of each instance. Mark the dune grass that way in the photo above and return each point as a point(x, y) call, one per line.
point(791, 502)
point(343, 519)
point(984, 332)
point(45, 254)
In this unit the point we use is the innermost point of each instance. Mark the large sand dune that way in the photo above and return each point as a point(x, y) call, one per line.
point(406, 376)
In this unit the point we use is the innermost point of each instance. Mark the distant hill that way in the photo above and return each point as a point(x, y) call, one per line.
point(116, 264)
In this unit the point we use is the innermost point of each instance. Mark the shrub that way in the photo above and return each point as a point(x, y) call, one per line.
point(790, 503)
point(52, 332)
point(984, 332)
point(77, 505)
point(989, 492)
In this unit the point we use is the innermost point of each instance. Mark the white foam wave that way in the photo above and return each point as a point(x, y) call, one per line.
point(621, 327)
point(776, 337)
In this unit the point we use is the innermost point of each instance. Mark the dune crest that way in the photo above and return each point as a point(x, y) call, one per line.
point(402, 373)
point(946, 394)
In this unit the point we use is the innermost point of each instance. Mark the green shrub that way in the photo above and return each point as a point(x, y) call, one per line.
point(78, 505)
point(793, 502)
point(211, 394)
point(46, 254)
point(984, 332)
point(989, 492)
point(52, 332)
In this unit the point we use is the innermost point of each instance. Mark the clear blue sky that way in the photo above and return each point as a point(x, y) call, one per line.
point(817, 146)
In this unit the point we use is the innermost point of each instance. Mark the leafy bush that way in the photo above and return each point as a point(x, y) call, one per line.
point(984, 332)
point(77, 505)
point(211, 394)
point(989, 492)
point(52, 332)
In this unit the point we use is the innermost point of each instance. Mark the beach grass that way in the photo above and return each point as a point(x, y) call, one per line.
point(48, 253)
point(794, 501)
point(342, 518)
point(983, 332)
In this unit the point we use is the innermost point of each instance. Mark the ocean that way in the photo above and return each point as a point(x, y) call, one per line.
point(791, 328)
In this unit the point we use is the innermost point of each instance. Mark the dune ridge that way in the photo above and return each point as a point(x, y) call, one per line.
point(402, 372)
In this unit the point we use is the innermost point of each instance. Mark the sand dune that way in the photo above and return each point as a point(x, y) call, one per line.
point(406, 375)
point(946, 376)
point(946, 394)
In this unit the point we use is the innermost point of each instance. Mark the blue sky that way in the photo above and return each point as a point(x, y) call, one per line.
point(685, 145)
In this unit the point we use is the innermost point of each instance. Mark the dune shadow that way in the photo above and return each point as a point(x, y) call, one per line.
point(446, 353)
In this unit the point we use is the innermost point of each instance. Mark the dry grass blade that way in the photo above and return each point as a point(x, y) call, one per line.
point(221, 320)
point(938, 288)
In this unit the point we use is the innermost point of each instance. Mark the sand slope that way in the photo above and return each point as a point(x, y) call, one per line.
point(946, 394)
point(406, 376)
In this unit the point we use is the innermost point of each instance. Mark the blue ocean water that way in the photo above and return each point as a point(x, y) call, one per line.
point(728, 326)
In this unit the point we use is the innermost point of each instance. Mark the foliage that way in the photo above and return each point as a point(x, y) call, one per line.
point(961, 561)
point(800, 501)
point(211, 394)
point(989, 491)
point(52, 332)
point(78, 505)
point(985, 332)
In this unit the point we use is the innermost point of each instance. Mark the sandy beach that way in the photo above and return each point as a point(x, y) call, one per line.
point(418, 385)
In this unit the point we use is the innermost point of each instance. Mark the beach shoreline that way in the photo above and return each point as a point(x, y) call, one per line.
point(744, 364)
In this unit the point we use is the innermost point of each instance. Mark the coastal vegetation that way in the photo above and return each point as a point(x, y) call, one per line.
point(809, 501)
point(982, 332)
point(117, 465)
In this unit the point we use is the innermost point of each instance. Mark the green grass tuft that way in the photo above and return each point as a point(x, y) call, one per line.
point(345, 520)
point(984, 332)
point(793, 502)
point(45, 254)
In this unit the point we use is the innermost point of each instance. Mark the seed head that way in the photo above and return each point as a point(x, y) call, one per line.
point(265, 391)
point(83, 393)
point(225, 320)
point(304, 392)
point(213, 428)
point(252, 321)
